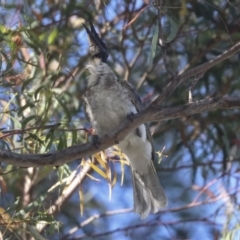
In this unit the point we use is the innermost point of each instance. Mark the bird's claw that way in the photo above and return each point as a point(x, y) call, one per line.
point(96, 141)
point(130, 116)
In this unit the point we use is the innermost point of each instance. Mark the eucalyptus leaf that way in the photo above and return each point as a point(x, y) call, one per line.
point(173, 30)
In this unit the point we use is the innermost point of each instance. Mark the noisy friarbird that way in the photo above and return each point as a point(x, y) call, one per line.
point(108, 101)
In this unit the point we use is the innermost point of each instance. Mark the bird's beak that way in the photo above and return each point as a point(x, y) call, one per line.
point(98, 48)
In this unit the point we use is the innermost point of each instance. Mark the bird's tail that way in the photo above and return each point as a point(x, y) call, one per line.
point(148, 193)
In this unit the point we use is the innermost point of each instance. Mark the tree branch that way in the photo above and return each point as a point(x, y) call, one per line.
point(196, 71)
point(152, 113)
point(67, 193)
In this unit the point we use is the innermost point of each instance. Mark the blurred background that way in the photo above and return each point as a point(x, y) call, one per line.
point(44, 54)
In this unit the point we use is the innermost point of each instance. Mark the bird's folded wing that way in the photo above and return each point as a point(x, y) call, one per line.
point(136, 100)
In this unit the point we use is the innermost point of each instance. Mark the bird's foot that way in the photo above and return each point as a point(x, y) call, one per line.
point(96, 141)
point(90, 131)
point(130, 116)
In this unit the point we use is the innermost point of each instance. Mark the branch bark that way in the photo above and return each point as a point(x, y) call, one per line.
point(151, 113)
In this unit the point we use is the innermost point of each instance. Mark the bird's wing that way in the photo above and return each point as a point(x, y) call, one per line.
point(136, 100)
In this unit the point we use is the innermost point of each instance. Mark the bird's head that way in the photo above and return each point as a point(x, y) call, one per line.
point(98, 48)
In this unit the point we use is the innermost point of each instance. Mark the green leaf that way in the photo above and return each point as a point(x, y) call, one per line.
point(28, 104)
point(7, 60)
point(49, 138)
point(38, 91)
point(36, 138)
point(52, 36)
point(1, 61)
point(25, 84)
point(64, 171)
point(65, 108)
point(62, 142)
point(74, 137)
point(173, 30)
point(27, 120)
point(31, 206)
point(32, 39)
point(5, 144)
point(154, 42)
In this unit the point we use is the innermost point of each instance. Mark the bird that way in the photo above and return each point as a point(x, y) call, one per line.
point(107, 102)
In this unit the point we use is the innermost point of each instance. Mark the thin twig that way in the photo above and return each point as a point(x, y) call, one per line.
point(190, 99)
point(55, 127)
point(68, 191)
point(195, 71)
point(161, 40)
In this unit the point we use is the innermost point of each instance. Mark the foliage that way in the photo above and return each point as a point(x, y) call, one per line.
point(44, 53)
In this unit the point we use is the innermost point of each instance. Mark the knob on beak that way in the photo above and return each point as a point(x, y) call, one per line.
point(98, 48)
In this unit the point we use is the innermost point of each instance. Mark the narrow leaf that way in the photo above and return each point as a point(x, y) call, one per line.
point(154, 42)
point(52, 36)
point(98, 170)
point(173, 31)
point(81, 196)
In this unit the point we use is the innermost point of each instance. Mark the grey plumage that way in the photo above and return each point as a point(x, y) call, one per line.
point(108, 101)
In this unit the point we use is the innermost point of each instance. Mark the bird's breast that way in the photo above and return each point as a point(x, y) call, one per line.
point(108, 106)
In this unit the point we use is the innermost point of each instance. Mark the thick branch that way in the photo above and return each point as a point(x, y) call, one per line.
point(151, 113)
